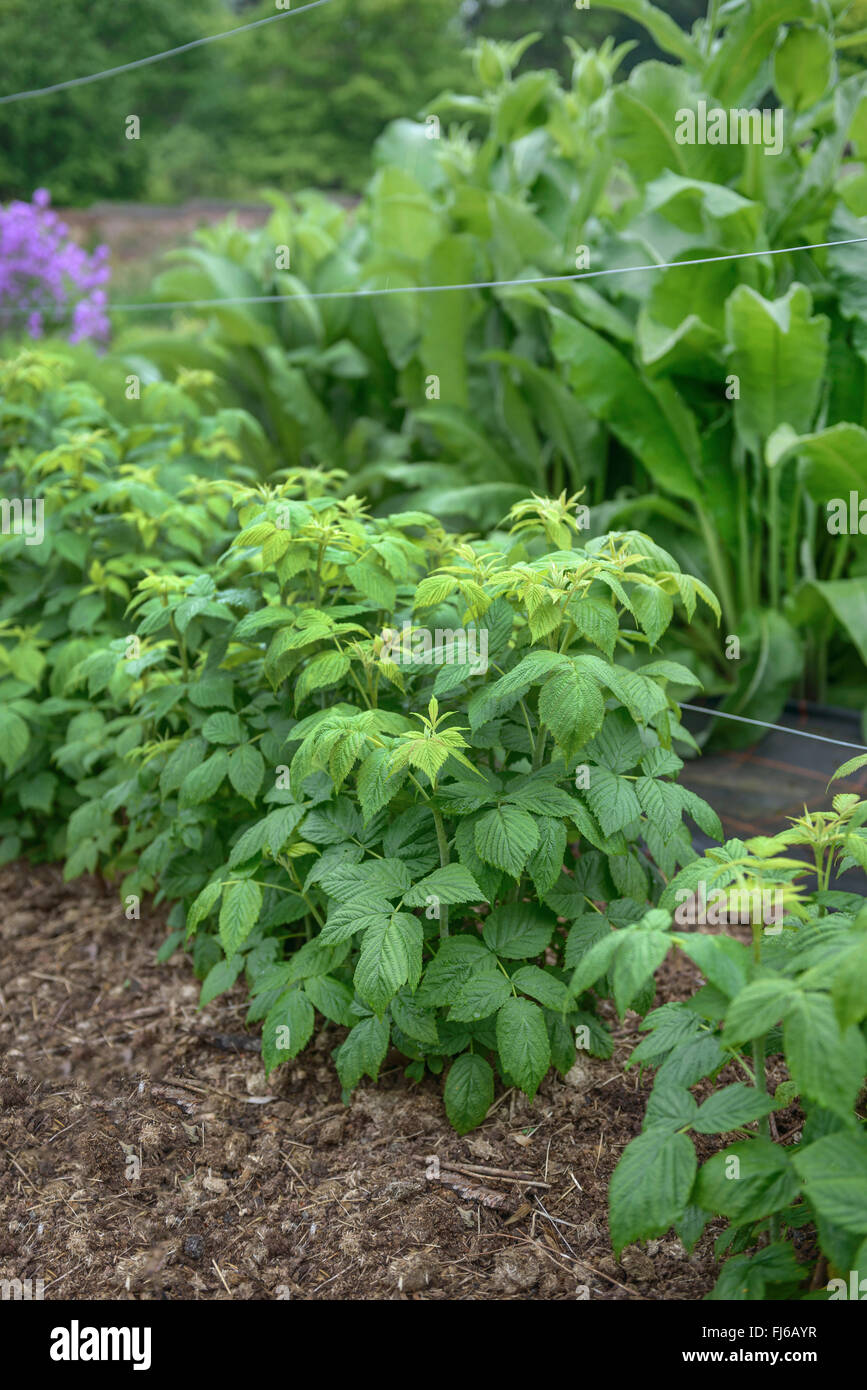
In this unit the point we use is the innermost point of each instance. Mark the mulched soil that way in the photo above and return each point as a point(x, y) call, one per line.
point(143, 1155)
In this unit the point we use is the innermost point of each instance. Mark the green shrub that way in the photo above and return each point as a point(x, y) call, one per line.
point(416, 841)
point(797, 996)
point(73, 142)
point(89, 506)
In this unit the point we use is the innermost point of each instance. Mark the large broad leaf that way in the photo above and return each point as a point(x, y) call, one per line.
point(708, 212)
point(650, 1186)
point(206, 275)
point(847, 600)
point(747, 45)
point(404, 219)
point(778, 352)
point(803, 64)
point(846, 267)
point(771, 659)
point(446, 317)
point(407, 145)
point(835, 459)
point(666, 32)
point(562, 417)
point(612, 390)
point(643, 118)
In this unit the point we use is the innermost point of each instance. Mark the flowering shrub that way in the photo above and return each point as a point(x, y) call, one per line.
point(47, 281)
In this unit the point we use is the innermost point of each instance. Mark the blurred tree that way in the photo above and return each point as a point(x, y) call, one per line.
point(303, 102)
point(74, 142)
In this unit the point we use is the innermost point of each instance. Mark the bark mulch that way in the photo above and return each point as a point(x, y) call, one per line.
point(143, 1155)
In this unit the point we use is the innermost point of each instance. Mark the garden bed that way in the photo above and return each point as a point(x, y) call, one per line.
point(255, 1190)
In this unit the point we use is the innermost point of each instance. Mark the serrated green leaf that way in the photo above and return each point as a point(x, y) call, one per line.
point(202, 782)
point(363, 1051)
point(522, 1042)
point(650, 1187)
point(239, 913)
point(287, 1029)
point(451, 884)
point(469, 1091)
point(247, 771)
point(480, 996)
point(505, 837)
point(518, 931)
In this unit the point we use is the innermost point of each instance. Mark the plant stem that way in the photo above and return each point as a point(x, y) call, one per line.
point(442, 841)
point(774, 528)
point(539, 750)
point(182, 648)
point(719, 569)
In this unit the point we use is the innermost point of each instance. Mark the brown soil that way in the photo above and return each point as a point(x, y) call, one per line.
point(146, 1157)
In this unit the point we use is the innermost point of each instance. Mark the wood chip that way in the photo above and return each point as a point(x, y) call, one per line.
point(472, 1193)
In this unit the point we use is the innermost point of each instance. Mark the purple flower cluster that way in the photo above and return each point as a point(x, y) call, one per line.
point(47, 282)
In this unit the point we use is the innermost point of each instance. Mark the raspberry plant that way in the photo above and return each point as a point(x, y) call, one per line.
point(419, 852)
point(797, 996)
